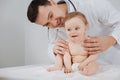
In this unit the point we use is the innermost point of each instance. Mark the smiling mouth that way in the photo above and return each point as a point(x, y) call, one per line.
point(59, 22)
point(74, 36)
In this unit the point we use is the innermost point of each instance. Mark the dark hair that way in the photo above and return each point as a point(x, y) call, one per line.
point(33, 8)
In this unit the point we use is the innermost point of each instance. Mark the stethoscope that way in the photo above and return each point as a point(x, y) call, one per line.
point(58, 29)
point(73, 5)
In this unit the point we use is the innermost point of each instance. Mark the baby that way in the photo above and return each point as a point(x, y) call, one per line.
point(76, 26)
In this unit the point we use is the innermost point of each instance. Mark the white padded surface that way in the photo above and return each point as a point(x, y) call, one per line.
point(37, 72)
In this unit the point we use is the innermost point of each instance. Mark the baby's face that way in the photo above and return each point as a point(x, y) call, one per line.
point(75, 28)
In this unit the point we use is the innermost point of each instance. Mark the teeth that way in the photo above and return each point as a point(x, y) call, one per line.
point(58, 21)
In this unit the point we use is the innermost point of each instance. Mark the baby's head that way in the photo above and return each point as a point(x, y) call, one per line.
point(75, 25)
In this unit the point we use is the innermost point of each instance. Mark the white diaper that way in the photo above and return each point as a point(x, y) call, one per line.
point(75, 66)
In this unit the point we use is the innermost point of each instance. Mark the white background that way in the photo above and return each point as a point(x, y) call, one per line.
point(22, 42)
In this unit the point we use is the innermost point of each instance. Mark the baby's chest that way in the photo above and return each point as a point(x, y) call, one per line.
point(77, 50)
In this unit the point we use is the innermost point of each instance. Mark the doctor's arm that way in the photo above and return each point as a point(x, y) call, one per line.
point(108, 16)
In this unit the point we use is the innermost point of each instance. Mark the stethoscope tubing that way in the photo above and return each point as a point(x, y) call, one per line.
point(57, 29)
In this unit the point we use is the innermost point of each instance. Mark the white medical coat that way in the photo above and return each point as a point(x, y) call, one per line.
point(103, 20)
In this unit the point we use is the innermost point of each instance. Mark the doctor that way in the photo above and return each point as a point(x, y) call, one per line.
point(103, 19)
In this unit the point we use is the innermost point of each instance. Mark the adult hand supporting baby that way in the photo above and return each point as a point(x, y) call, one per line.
point(96, 45)
point(60, 46)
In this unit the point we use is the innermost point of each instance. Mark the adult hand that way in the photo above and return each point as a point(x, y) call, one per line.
point(60, 46)
point(96, 45)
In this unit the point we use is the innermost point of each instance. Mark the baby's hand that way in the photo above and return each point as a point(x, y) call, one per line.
point(81, 67)
point(67, 51)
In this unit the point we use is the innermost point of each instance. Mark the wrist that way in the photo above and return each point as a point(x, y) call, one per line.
point(112, 40)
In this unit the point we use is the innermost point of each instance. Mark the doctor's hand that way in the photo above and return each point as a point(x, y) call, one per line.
point(94, 45)
point(60, 46)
